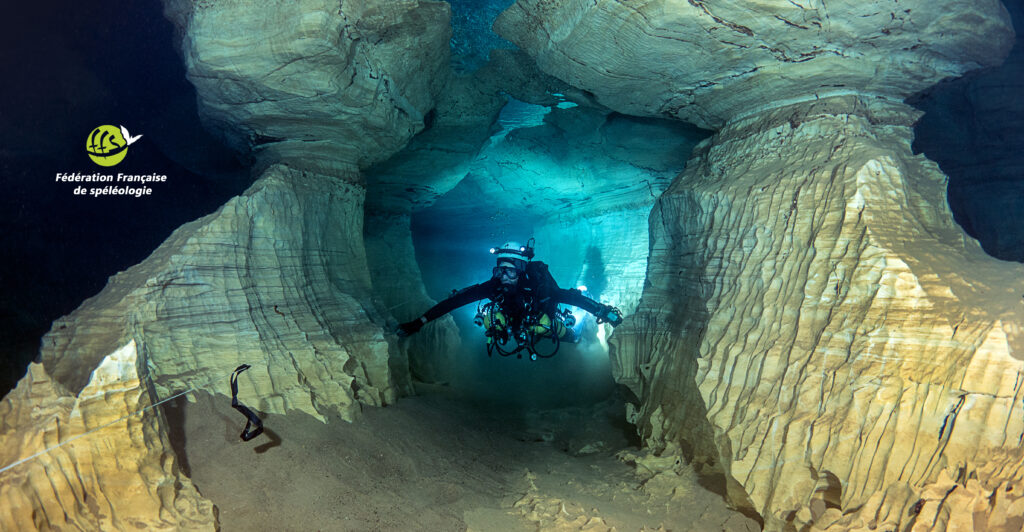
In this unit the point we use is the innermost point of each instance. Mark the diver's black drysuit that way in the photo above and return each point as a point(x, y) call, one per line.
point(536, 292)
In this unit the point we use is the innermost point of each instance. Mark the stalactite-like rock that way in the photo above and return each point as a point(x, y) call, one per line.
point(817, 327)
point(707, 61)
point(117, 470)
point(276, 278)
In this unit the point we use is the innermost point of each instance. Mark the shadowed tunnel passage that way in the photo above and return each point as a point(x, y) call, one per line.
point(580, 182)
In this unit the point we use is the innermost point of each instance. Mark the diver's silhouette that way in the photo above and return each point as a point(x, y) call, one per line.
point(523, 305)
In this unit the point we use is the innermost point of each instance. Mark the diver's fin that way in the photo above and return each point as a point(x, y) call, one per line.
point(253, 424)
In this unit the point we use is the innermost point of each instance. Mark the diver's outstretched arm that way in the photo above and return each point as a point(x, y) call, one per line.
point(576, 298)
point(460, 298)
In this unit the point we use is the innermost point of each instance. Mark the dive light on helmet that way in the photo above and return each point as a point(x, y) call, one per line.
point(514, 250)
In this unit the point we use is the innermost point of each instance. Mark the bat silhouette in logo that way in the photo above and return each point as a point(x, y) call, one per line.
point(127, 137)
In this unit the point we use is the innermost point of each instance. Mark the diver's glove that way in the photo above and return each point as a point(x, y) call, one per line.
point(609, 314)
point(411, 327)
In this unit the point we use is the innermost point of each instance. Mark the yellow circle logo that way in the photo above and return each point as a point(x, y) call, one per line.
point(107, 145)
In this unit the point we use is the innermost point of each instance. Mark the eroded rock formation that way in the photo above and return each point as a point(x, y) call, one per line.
point(277, 277)
point(468, 177)
point(280, 270)
point(814, 325)
point(312, 82)
point(96, 460)
point(706, 61)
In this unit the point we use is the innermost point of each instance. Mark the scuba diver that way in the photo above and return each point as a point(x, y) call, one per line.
point(523, 309)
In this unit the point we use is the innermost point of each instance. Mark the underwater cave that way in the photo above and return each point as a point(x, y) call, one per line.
point(805, 215)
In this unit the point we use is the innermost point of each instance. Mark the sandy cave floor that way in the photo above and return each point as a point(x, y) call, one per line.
point(433, 462)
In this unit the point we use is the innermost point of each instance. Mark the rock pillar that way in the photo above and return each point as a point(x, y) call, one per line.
point(311, 92)
point(814, 327)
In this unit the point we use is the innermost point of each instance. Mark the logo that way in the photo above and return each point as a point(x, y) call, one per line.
point(107, 145)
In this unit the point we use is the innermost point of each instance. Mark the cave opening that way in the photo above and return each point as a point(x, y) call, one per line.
point(967, 128)
point(581, 182)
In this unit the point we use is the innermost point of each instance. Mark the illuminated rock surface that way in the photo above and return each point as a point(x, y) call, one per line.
point(116, 470)
point(278, 276)
point(312, 84)
point(817, 327)
point(706, 62)
point(251, 283)
point(814, 325)
point(814, 328)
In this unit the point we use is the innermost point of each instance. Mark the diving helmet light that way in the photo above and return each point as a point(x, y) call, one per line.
point(514, 250)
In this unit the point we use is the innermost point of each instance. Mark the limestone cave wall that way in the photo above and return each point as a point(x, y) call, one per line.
point(810, 327)
point(814, 328)
point(268, 280)
point(806, 324)
point(277, 277)
point(121, 470)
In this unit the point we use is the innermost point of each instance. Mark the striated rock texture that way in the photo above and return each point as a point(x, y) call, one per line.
point(708, 61)
point(276, 278)
point(278, 275)
point(398, 283)
point(817, 328)
point(313, 82)
point(115, 469)
point(945, 504)
point(814, 326)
